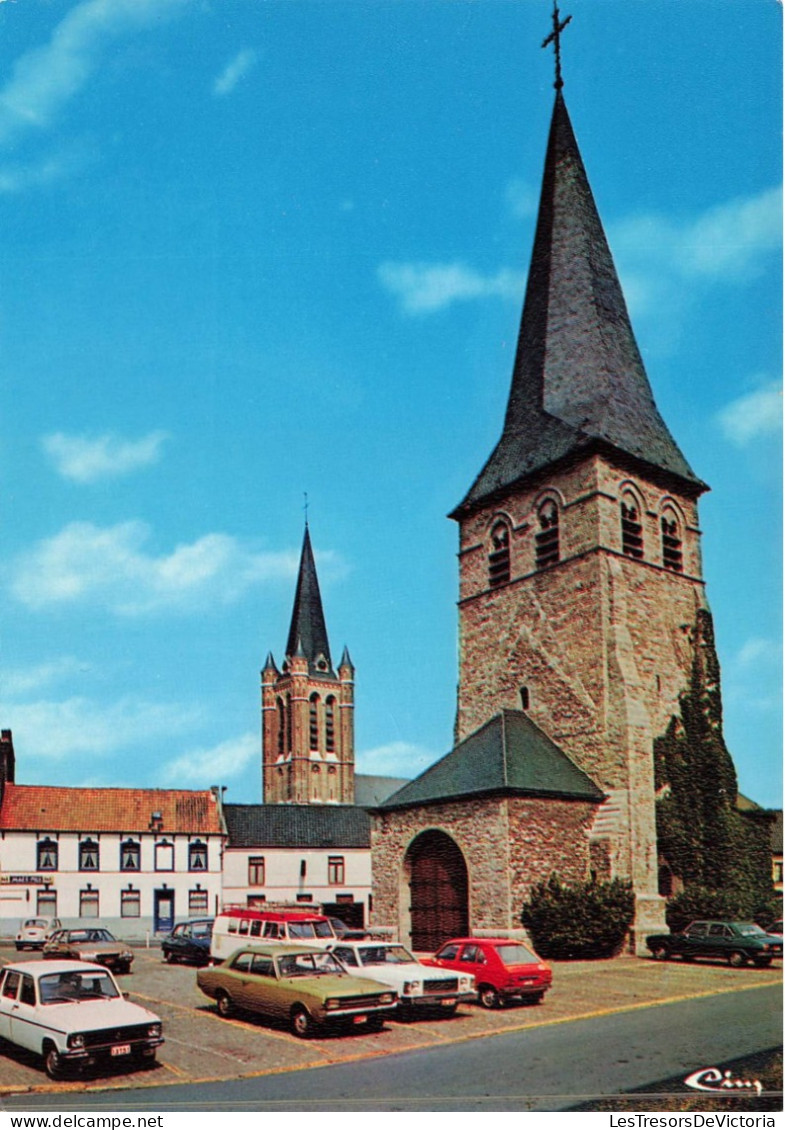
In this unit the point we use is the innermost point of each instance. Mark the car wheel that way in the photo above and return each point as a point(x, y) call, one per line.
point(169, 957)
point(450, 1010)
point(224, 1004)
point(300, 1022)
point(488, 996)
point(737, 959)
point(659, 953)
point(535, 998)
point(762, 962)
point(124, 967)
point(374, 1024)
point(53, 1062)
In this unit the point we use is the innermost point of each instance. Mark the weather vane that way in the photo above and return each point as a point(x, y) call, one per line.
point(554, 38)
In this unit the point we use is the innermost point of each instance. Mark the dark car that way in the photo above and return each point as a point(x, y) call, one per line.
point(189, 941)
point(735, 942)
point(502, 968)
point(347, 933)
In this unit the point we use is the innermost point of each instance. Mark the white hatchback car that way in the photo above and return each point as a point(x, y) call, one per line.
point(33, 932)
point(73, 1014)
point(417, 985)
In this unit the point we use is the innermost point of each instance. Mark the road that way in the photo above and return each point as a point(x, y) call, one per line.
point(549, 1067)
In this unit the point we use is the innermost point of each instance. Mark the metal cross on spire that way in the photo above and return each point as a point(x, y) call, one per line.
point(305, 505)
point(554, 38)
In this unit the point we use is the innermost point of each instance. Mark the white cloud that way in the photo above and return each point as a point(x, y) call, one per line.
point(757, 653)
point(25, 680)
point(235, 70)
point(753, 415)
point(55, 730)
point(425, 287)
point(215, 765)
point(522, 199)
point(45, 78)
point(85, 459)
point(19, 178)
point(395, 759)
point(111, 567)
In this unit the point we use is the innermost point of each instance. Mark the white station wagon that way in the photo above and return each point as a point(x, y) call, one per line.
point(417, 985)
point(73, 1014)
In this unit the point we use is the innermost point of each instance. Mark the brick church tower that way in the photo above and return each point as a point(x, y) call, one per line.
point(580, 566)
point(308, 709)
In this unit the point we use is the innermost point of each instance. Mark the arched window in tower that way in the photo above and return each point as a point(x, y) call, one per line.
point(631, 528)
point(313, 721)
point(281, 722)
point(288, 723)
point(329, 724)
point(546, 541)
point(672, 557)
point(499, 555)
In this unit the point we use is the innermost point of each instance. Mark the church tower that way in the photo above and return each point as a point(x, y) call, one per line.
point(581, 586)
point(308, 708)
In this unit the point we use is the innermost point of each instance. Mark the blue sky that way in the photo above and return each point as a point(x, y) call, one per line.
point(256, 249)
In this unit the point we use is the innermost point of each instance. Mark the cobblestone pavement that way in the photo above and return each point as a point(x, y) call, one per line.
point(200, 1046)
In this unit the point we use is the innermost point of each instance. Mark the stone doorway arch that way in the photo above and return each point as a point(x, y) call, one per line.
point(438, 890)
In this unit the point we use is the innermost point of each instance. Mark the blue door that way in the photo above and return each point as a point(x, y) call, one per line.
point(163, 912)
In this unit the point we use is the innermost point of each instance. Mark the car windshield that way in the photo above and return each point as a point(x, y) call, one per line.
point(55, 988)
point(516, 955)
point(35, 923)
point(747, 928)
point(385, 955)
point(77, 937)
point(308, 965)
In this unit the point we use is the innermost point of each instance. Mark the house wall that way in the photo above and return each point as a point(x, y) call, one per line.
point(284, 881)
point(20, 898)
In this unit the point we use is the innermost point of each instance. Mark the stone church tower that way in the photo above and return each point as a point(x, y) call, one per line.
point(580, 566)
point(581, 590)
point(308, 709)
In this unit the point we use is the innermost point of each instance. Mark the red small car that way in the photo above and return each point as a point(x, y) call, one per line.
point(502, 968)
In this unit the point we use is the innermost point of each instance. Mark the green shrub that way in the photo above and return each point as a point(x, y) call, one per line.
point(737, 904)
point(579, 920)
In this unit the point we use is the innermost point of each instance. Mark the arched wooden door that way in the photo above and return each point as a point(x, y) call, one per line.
point(439, 886)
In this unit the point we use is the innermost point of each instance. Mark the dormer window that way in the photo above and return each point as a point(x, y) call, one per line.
point(631, 528)
point(499, 555)
point(672, 557)
point(546, 542)
point(321, 663)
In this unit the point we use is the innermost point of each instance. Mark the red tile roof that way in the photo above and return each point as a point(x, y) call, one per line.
point(50, 808)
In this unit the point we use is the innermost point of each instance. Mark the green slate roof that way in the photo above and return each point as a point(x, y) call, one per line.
point(508, 755)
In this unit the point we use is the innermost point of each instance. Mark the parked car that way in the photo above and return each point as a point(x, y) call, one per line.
point(73, 1014)
point(306, 987)
point(90, 944)
point(189, 941)
point(342, 931)
point(417, 985)
point(503, 969)
point(238, 925)
point(33, 932)
point(735, 942)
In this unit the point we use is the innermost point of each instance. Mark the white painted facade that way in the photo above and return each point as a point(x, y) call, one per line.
point(329, 876)
point(158, 879)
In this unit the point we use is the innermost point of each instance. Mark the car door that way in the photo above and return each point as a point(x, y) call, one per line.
point(695, 940)
point(721, 939)
point(9, 988)
point(472, 960)
point(25, 1026)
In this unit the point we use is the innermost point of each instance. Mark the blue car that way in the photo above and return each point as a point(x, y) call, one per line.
point(189, 942)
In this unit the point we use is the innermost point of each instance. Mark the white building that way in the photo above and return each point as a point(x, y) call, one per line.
point(137, 859)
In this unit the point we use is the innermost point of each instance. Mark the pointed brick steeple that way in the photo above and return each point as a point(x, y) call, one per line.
point(308, 632)
point(578, 382)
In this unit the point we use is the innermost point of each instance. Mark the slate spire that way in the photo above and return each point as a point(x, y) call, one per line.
point(308, 632)
point(578, 381)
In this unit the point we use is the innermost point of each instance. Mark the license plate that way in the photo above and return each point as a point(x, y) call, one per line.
point(360, 1019)
point(530, 981)
point(121, 1049)
point(449, 1002)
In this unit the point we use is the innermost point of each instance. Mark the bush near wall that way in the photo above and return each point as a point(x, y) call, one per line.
point(579, 920)
point(734, 904)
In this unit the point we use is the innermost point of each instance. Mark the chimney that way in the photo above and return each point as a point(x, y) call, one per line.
point(7, 761)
